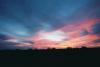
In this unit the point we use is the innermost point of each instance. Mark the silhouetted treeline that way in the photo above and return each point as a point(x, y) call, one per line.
point(50, 56)
point(51, 52)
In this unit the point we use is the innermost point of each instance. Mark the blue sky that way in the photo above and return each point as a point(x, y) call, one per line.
point(23, 18)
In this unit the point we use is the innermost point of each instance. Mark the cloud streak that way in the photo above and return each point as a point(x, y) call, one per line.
point(74, 36)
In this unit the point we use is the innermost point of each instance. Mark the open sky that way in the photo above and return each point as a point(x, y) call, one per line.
point(44, 24)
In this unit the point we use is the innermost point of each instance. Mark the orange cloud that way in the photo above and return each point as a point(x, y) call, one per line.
point(73, 34)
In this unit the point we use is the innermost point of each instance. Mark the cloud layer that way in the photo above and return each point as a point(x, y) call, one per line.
point(23, 21)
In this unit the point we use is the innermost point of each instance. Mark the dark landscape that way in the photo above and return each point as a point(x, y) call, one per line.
point(51, 52)
point(50, 56)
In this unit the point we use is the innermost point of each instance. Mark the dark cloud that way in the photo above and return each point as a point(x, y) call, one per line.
point(4, 44)
point(97, 41)
point(96, 28)
point(7, 45)
point(4, 37)
point(12, 45)
point(84, 32)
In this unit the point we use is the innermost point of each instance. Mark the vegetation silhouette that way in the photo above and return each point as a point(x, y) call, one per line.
point(54, 51)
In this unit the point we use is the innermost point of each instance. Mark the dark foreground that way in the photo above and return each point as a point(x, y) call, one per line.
point(52, 56)
point(51, 52)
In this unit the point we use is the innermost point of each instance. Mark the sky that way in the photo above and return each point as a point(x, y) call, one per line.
point(42, 24)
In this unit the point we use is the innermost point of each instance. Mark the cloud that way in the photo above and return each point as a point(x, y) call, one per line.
point(8, 42)
point(96, 28)
point(7, 45)
point(84, 32)
point(24, 19)
point(97, 41)
point(4, 37)
point(78, 35)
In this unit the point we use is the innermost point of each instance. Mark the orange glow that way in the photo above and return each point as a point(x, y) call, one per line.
point(74, 38)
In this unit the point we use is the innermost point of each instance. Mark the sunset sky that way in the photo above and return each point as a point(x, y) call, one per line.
point(42, 24)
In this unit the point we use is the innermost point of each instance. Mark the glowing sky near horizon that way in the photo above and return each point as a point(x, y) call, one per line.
point(41, 24)
point(76, 37)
